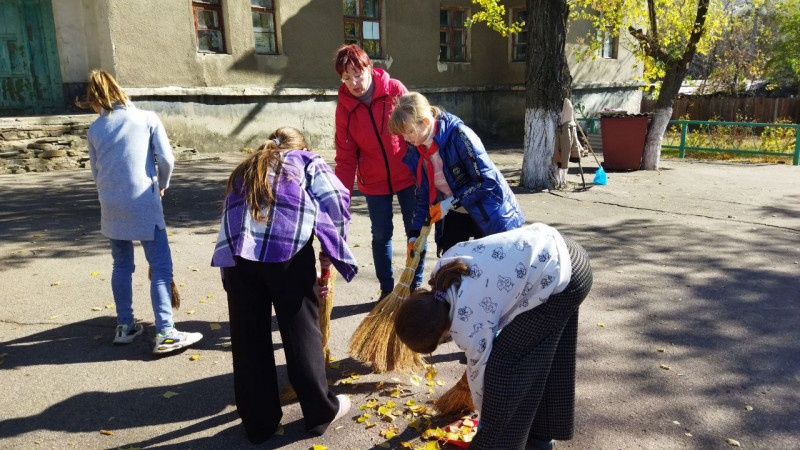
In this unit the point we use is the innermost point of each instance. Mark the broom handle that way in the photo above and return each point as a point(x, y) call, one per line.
point(586, 139)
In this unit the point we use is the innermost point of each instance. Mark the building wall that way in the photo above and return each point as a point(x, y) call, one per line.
point(229, 101)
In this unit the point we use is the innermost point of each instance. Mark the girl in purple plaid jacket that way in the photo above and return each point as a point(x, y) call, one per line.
point(276, 201)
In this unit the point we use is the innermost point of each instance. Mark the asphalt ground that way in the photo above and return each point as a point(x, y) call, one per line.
point(690, 336)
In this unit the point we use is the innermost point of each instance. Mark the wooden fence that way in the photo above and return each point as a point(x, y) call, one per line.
point(746, 109)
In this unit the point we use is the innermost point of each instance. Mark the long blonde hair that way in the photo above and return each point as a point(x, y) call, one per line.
point(409, 111)
point(102, 92)
point(251, 176)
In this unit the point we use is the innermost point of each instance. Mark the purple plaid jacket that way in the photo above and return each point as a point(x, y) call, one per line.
point(309, 199)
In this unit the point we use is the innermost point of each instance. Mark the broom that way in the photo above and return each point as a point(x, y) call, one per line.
point(456, 400)
point(325, 307)
point(175, 297)
point(375, 342)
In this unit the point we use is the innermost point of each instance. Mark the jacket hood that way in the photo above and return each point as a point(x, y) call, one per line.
point(381, 80)
point(446, 123)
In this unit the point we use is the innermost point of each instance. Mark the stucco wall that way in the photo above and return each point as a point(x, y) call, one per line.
point(83, 36)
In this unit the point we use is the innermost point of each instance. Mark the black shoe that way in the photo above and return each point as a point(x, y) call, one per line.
point(540, 444)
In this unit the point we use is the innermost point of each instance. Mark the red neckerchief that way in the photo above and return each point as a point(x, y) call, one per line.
point(425, 156)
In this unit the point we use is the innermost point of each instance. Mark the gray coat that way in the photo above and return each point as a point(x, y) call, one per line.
point(122, 146)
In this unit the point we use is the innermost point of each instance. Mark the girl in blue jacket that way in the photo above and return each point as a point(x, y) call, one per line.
point(453, 174)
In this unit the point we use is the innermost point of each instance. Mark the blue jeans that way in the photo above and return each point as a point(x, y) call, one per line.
point(160, 260)
point(380, 214)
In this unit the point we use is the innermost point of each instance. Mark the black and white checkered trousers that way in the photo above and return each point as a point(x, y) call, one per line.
point(529, 386)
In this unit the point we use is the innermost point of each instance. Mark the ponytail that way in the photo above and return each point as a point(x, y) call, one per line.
point(102, 92)
point(251, 177)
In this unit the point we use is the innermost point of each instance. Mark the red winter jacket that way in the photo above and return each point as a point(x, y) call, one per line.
point(364, 144)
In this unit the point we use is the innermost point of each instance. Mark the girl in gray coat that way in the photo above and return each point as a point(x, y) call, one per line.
point(123, 144)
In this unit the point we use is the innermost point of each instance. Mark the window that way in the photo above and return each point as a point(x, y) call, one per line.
point(362, 25)
point(209, 26)
point(263, 12)
point(519, 41)
point(452, 34)
point(609, 44)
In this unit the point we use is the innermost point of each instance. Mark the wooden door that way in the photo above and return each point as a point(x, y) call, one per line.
point(30, 75)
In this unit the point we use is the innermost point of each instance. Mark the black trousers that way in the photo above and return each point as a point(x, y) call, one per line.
point(253, 289)
point(529, 384)
point(457, 227)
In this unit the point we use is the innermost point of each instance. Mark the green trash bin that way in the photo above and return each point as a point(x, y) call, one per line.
point(623, 137)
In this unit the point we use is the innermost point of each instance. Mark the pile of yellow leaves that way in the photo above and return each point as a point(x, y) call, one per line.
point(460, 431)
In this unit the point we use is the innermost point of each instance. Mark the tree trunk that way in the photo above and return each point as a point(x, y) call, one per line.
point(547, 84)
point(662, 114)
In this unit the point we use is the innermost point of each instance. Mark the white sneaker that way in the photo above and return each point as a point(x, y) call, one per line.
point(126, 333)
point(174, 340)
point(344, 407)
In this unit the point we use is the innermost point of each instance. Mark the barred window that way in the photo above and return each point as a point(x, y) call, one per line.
point(453, 34)
point(264, 30)
point(209, 26)
point(362, 25)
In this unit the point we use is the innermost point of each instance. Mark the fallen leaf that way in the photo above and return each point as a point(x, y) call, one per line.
point(748, 407)
point(430, 374)
point(97, 337)
point(660, 350)
point(664, 366)
point(411, 403)
point(97, 308)
point(319, 447)
point(415, 379)
point(335, 365)
point(406, 444)
point(430, 391)
point(210, 296)
point(182, 284)
point(675, 422)
point(431, 383)
point(109, 306)
point(55, 283)
point(390, 404)
point(37, 235)
point(190, 312)
point(355, 376)
point(94, 274)
point(225, 344)
point(107, 433)
point(440, 383)
point(732, 442)
point(53, 317)
point(363, 418)
point(169, 394)
point(215, 326)
point(384, 445)
point(370, 425)
point(194, 357)
point(280, 431)
point(688, 434)
point(395, 393)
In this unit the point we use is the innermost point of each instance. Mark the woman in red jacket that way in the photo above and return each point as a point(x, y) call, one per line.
point(368, 152)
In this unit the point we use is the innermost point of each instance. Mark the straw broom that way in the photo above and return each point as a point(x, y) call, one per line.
point(456, 400)
point(325, 307)
point(374, 342)
point(175, 296)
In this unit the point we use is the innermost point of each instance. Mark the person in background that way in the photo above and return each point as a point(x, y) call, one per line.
point(369, 153)
point(510, 302)
point(124, 143)
point(276, 202)
point(453, 173)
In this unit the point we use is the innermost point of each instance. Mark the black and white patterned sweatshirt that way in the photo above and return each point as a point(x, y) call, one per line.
point(509, 273)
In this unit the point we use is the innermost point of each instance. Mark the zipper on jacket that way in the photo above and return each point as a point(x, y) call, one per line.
point(380, 141)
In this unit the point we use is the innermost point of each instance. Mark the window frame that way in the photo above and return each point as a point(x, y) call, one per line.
point(205, 5)
point(602, 36)
point(262, 9)
point(449, 30)
point(514, 41)
point(359, 21)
